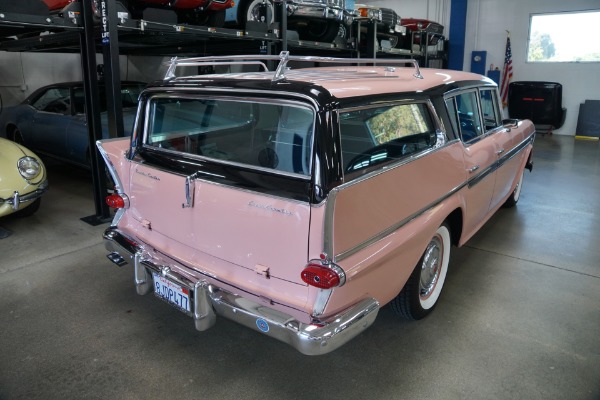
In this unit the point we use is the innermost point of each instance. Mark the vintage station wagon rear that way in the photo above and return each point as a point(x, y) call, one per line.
point(298, 202)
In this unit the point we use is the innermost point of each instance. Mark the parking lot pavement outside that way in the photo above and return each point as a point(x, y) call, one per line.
point(519, 317)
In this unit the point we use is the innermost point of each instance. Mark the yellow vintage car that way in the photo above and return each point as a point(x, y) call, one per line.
point(23, 179)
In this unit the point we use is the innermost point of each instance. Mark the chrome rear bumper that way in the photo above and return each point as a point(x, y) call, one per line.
point(210, 300)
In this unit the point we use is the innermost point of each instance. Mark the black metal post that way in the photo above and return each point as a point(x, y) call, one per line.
point(283, 25)
point(372, 39)
point(93, 109)
point(112, 75)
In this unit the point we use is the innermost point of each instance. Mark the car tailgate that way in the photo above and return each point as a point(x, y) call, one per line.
point(254, 231)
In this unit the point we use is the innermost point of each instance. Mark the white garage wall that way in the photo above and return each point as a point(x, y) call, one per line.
point(487, 23)
point(22, 73)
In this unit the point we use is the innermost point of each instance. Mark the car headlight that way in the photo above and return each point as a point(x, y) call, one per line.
point(29, 167)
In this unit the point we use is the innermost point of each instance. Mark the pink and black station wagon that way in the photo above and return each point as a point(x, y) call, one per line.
point(299, 202)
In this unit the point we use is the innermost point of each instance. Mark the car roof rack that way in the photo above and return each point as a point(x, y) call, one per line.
point(283, 58)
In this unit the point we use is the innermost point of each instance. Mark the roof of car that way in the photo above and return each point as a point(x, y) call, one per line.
point(352, 81)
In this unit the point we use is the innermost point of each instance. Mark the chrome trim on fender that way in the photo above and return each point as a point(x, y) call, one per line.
point(321, 302)
point(117, 181)
point(324, 294)
point(210, 300)
point(111, 168)
point(328, 221)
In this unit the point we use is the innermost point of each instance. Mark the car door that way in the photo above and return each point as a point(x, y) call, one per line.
point(50, 121)
point(507, 145)
point(479, 156)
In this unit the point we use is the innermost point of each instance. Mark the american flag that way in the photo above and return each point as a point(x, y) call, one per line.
point(507, 73)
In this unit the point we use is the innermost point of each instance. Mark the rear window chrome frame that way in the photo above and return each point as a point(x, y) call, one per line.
point(208, 96)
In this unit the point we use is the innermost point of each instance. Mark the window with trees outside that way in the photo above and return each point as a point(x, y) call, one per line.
point(373, 137)
point(564, 37)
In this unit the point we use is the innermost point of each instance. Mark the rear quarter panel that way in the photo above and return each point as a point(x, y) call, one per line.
point(381, 225)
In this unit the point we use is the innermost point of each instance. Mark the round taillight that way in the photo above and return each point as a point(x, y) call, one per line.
point(115, 201)
point(320, 276)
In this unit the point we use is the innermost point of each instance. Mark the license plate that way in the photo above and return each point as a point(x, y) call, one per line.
point(172, 292)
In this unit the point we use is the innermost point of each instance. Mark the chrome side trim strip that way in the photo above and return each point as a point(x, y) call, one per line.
point(328, 232)
point(495, 166)
point(386, 232)
point(470, 183)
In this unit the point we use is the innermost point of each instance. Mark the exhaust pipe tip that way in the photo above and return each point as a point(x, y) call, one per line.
point(529, 166)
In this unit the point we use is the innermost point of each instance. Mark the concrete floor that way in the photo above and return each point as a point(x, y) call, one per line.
point(519, 317)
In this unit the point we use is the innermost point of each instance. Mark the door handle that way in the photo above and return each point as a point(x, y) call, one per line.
point(500, 152)
point(473, 169)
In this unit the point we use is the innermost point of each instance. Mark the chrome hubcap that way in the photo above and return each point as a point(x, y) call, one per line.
point(431, 267)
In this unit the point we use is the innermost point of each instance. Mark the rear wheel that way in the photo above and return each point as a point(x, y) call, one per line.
point(516, 194)
point(422, 290)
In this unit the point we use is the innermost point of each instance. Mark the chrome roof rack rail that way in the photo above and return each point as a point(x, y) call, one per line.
point(283, 58)
point(206, 61)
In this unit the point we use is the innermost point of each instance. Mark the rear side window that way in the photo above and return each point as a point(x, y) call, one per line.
point(490, 109)
point(466, 111)
point(467, 116)
point(378, 136)
point(265, 135)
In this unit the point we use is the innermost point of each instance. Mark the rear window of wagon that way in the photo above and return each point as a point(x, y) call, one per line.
point(261, 134)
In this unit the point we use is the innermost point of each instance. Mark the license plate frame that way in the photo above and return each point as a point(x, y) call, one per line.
point(173, 293)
